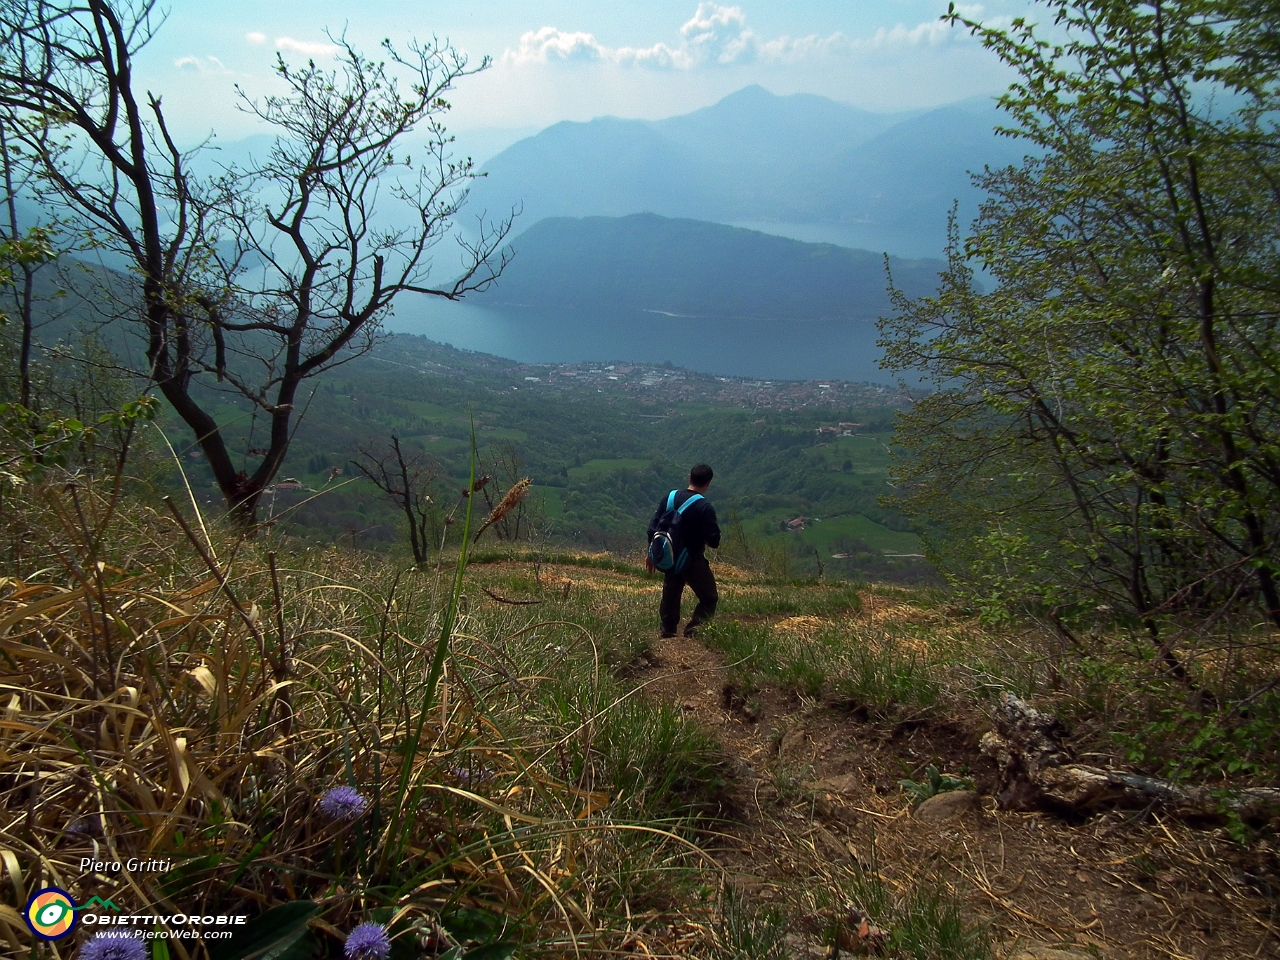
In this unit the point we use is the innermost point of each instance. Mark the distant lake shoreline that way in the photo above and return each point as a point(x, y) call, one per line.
point(764, 349)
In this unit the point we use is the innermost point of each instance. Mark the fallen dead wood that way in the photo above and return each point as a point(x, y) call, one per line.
point(514, 603)
point(1037, 771)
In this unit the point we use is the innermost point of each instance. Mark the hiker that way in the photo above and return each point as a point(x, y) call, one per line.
point(684, 523)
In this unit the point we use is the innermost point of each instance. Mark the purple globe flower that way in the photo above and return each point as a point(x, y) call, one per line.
point(116, 945)
point(343, 803)
point(369, 941)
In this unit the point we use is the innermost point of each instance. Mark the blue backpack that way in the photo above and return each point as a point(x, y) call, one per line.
point(666, 550)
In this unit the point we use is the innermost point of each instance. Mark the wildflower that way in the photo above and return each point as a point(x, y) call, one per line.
point(343, 803)
point(115, 945)
point(369, 941)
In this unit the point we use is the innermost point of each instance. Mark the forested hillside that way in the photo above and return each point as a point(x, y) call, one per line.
point(601, 447)
point(697, 270)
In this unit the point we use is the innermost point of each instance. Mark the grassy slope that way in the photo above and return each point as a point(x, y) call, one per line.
point(580, 782)
point(826, 697)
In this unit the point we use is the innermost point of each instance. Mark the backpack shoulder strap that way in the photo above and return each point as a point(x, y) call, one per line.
point(685, 506)
point(671, 500)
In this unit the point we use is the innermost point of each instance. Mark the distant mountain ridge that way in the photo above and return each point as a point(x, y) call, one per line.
point(800, 127)
point(696, 269)
point(760, 158)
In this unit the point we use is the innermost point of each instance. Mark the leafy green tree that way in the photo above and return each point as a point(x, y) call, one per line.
point(1106, 424)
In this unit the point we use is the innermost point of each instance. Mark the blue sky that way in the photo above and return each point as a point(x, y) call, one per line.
point(574, 60)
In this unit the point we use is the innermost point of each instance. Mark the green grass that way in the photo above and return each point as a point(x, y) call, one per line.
point(797, 635)
point(508, 553)
point(826, 532)
point(489, 433)
point(551, 499)
point(444, 445)
point(923, 922)
point(747, 930)
point(888, 675)
point(809, 639)
point(788, 597)
point(429, 411)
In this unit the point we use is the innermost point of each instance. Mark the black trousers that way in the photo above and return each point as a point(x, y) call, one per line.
point(697, 574)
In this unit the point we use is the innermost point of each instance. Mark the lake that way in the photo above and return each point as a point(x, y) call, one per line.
point(765, 349)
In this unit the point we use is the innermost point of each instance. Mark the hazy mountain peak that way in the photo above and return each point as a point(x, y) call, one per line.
point(748, 94)
point(882, 180)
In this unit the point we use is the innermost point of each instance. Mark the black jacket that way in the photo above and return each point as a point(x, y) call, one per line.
point(698, 526)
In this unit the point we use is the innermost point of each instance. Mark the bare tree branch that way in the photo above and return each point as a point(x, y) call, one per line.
point(407, 483)
point(263, 276)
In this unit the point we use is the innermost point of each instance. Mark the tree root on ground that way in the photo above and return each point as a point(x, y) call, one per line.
point(1038, 771)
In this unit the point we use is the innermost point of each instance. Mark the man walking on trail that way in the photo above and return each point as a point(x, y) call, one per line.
point(697, 529)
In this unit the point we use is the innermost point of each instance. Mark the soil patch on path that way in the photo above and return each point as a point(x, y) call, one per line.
point(812, 802)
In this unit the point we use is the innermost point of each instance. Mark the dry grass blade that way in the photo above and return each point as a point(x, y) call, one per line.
point(141, 716)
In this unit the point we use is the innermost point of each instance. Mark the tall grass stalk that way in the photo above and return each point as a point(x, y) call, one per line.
point(443, 638)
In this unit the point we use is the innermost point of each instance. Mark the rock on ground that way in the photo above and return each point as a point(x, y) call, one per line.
point(948, 806)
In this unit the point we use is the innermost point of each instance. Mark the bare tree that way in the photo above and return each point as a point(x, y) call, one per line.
point(407, 483)
point(23, 252)
point(258, 278)
point(506, 465)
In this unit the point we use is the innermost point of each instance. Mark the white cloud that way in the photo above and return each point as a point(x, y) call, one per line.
point(309, 48)
point(719, 35)
point(931, 34)
point(200, 65)
point(256, 38)
point(659, 55)
point(549, 43)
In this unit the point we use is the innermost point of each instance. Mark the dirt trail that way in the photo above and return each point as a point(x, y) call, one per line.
point(813, 792)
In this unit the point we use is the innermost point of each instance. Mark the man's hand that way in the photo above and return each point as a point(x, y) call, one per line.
point(648, 565)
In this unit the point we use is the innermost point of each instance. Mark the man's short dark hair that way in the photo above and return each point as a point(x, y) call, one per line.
point(700, 475)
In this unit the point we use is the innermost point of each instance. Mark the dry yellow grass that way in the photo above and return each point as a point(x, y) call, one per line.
point(197, 707)
point(804, 627)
